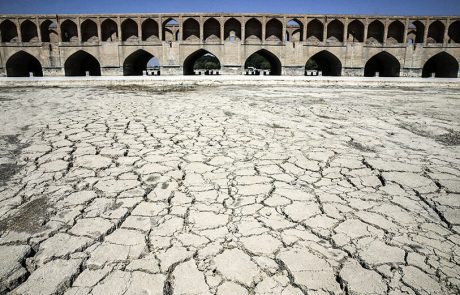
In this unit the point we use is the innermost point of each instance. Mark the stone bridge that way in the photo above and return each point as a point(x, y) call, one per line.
point(346, 45)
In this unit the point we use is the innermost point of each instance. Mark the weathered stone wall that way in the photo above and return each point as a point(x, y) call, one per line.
point(291, 39)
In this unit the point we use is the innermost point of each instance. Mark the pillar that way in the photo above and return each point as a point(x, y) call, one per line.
point(325, 29)
point(160, 28)
point(222, 32)
point(366, 28)
point(446, 33)
point(264, 29)
point(39, 29)
point(181, 29)
point(406, 31)
point(59, 32)
point(385, 31)
point(201, 29)
point(18, 29)
point(119, 28)
point(304, 31)
point(139, 29)
point(243, 29)
point(284, 29)
point(99, 30)
point(78, 29)
point(425, 35)
point(345, 30)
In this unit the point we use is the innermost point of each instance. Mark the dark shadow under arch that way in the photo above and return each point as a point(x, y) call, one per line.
point(326, 62)
point(442, 65)
point(383, 63)
point(275, 63)
point(136, 63)
point(21, 64)
point(81, 62)
point(190, 61)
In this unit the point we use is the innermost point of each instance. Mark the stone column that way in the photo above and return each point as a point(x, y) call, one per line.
point(325, 29)
point(425, 35)
point(284, 29)
point(345, 31)
point(139, 29)
point(119, 28)
point(201, 29)
point(446, 33)
point(264, 29)
point(385, 31)
point(181, 29)
point(243, 29)
point(39, 29)
point(222, 31)
point(99, 30)
point(304, 31)
point(59, 32)
point(366, 29)
point(160, 28)
point(406, 31)
point(18, 29)
point(78, 30)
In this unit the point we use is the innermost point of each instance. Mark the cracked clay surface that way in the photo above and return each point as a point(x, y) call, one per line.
point(229, 190)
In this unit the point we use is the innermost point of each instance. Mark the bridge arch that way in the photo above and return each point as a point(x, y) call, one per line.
point(109, 30)
point(21, 64)
point(69, 31)
point(49, 32)
point(335, 31)
point(89, 31)
point(211, 30)
point(326, 62)
point(8, 31)
point(232, 29)
point(454, 32)
point(375, 32)
point(29, 31)
point(272, 59)
point(253, 30)
point(150, 30)
point(355, 31)
point(416, 32)
point(383, 63)
point(274, 30)
point(129, 30)
point(136, 63)
point(295, 30)
point(442, 65)
point(395, 32)
point(436, 32)
point(189, 62)
point(315, 30)
point(170, 29)
point(191, 30)
point(81, 62)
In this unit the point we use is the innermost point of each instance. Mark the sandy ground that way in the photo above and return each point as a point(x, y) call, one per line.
point(229, 190)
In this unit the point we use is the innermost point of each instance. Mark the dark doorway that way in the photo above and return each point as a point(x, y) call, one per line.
point(442, 65)
point(136, 63)
point(81, 62)
point(21, 64)
point(264, 60)
point(201, 60)
point(325, 62)
point(383, 63)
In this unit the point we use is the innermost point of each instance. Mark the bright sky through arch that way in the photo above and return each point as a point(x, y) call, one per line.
point(372, 7)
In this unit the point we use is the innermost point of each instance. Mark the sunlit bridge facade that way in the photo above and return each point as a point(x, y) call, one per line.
point(229, 44)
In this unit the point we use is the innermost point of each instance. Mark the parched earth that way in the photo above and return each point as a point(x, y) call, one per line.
point(229, 190)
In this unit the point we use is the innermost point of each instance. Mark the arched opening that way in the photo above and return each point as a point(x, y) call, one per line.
point(355, 31)
point(9, 31)
point(324, 62)
point(49, 31)
point(211, 30)
point(170, 30)
point(149, 30)
point(263, 60)
point(395, 32)
point(69, 31)
point(29, 31)
point(335, 31)
point(315, 31)
point(232, 30)
point(89, 31)
point(415, 32)
point(294, 30)
point(375, 32)
point(109, 30)
point(382, 64)
point(253, 30)
point(129, 30)
point(274, 30)
point(21, 64)
point(81, 62)
point(442, 65)
point(138, 62)
point(454, 32)
point(191, 29)
point(436, 32)
point(201, 61)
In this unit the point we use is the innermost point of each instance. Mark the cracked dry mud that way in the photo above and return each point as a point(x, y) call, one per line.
point(230, 190)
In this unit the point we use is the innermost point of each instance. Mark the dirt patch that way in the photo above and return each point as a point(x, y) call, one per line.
point(30, 218)
point(149, 89)
point(452, 138)
point(360, 147)
point(10, 148)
